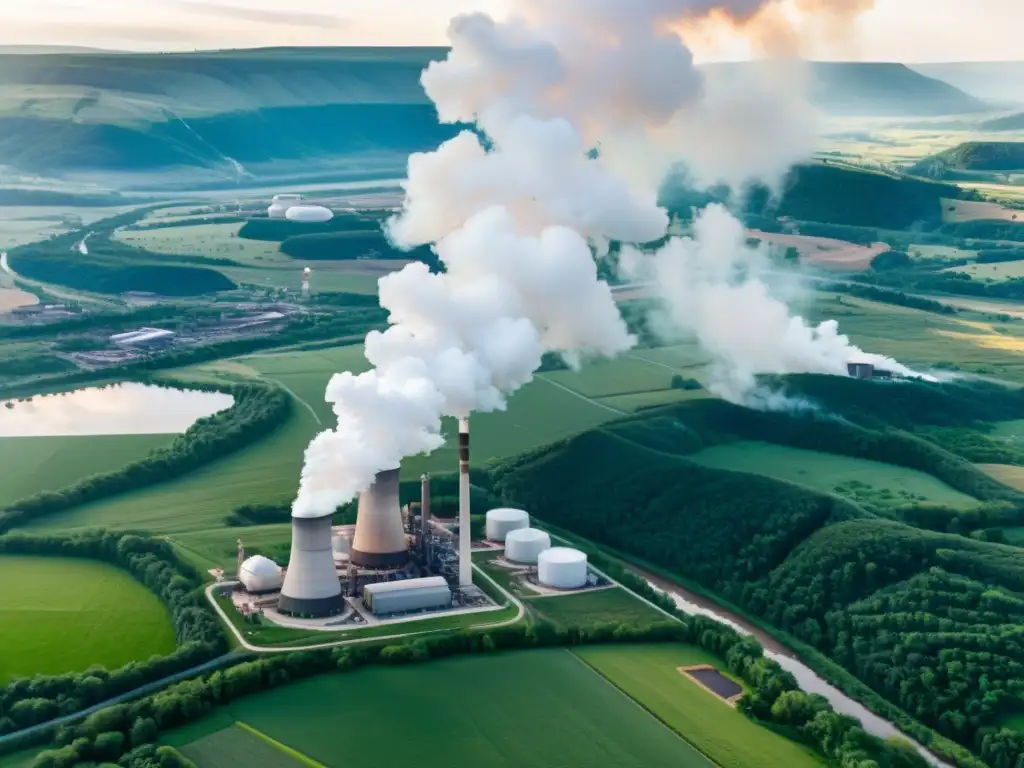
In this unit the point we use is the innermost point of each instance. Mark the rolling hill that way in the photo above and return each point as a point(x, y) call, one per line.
point(983, 156)
point(995, 81)
point(239, 116)
point(1014, 122)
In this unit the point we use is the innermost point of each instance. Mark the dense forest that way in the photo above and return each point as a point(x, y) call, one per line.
point(258, 409)
point(27, 701)
point(929, 619)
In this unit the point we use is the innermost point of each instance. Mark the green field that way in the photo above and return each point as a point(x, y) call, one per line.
point(533, 709)
point(600, 606)
point(939, 252)
point(1005, 270)
point(859, 479)
point(649, 675)
point(1007, 474)
point(217, 547)
point(229, 747)
point(34, 464)
point(63, 615)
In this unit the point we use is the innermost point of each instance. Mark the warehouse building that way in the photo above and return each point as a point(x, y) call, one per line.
point(144, 338)
point(389, 597)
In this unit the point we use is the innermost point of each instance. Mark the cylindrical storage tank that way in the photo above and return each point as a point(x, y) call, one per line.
point(524, 545)
point(501, 521)
point(311, 585)
point(309, 214)
point(562, 568)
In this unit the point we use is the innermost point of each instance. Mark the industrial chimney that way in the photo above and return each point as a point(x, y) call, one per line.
point(379, 541)
point(425, 513)
point(465, 543)
point(311, 586)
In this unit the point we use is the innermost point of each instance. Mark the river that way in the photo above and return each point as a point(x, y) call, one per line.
point(693, 604)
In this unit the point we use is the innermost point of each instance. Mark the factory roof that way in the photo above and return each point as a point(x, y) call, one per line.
point(428, 582)
point(141, 335)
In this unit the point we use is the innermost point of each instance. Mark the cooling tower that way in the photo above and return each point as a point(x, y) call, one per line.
point(379, 541)
point(311, 586)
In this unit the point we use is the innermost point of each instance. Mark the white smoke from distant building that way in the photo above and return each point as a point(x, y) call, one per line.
point(584, 106)
point(712, 285)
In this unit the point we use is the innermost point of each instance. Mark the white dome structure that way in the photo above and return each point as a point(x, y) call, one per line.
point(524, 545)
point(281, 204)
point(260, 574)
point(309, 214)
point(562, 568)
point(501, 521)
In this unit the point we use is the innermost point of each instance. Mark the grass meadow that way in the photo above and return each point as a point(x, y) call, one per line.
point(531, 709)
point(62, 615)
point(859, 479)
point(649, 675)
point(1004, 270)
point(613, 606)
point(236, 745)
point(34, 464)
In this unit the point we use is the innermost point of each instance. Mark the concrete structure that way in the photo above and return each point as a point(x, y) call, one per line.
point(143, 338)
point(281, 203)
point(259, 574)
point(409, 595)
point(379, 541)
point(562, 568)
point(341, 545)
point(311, 584)
point(500, 522)
point(524, 545)
point(465, 541)
point(860, 370)
point(309, 214)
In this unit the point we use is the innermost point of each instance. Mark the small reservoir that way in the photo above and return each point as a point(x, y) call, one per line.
point(129, 408)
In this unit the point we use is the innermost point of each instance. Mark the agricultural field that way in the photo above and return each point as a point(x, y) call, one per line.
point(650, 676)
point(218, 548)
point(62, 615)
point(212, 240)
point(868, 482)
point(1005, 270)
point(237, 744)
point(35, 464)
point(939, 252)
point(1006, 474)
point(954, 211)
point(531, 709)
point(607, 606)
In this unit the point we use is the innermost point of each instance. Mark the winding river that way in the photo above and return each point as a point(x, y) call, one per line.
point(693, 604)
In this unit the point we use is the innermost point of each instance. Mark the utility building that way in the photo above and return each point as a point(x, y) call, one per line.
point(431, 593)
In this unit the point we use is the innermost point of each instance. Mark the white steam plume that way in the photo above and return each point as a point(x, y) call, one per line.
point(584, 107)
point(712, 286)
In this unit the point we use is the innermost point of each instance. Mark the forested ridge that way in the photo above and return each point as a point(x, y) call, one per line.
point(931, 621)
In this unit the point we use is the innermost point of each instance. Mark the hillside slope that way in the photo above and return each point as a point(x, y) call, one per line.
point(1014, 122)
point(974, 156)
point(995, 81)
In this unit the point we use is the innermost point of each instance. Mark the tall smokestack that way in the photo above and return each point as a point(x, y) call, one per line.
point(311, 585)
point(465, 543)
point(424, 507)
point(379, 541)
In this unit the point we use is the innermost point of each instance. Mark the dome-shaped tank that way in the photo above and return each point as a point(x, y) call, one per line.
point(523, 545)
point(562, 568)
point(309, 214)
point(260, 574)
point(501, 521)
point(281, 204)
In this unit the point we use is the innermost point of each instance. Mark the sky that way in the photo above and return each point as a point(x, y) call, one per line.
point(893, 30)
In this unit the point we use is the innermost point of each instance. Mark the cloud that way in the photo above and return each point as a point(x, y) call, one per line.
point(261, 15)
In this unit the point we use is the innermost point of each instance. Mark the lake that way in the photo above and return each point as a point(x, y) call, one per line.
point(118, 409)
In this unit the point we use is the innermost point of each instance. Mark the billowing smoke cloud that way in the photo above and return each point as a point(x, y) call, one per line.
point(713, 286)
point(581, 107)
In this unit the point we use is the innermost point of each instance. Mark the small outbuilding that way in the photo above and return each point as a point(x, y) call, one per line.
point(562, 568)
point(260, 575)
point(309, 214)
point(280, 205)
point(388, 597)
point(500, 522)
point(524, 545)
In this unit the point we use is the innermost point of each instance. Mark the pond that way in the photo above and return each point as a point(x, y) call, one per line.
point(117, 409)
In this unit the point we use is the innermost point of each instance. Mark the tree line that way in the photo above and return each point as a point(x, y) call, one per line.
point(25, 702)
point(258, 409)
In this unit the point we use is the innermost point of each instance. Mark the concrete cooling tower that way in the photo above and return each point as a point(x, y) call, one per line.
point(311, 586)
point(379, 541)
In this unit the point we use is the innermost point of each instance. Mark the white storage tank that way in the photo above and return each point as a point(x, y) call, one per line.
point(341, 545)
point(309, 214)
point(281, 203)
point(562, 568)
point(260, 574)
point(524, 545)
point(501, 521)
point(390, 597)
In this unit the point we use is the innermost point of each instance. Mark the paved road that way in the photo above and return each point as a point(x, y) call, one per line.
point(220, 661)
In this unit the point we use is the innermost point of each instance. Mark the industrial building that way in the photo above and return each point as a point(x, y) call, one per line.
point(524, 545)
point(144, 338)
point(379, 542)
point(391, 597)
point(280, 205)
point(868, 371)
point(500, 522)
point(260, 575)
point(562, 568)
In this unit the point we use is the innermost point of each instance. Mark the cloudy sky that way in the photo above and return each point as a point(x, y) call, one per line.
point(895, 30)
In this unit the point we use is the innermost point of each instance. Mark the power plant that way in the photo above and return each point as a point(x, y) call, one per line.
point(311, 586)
